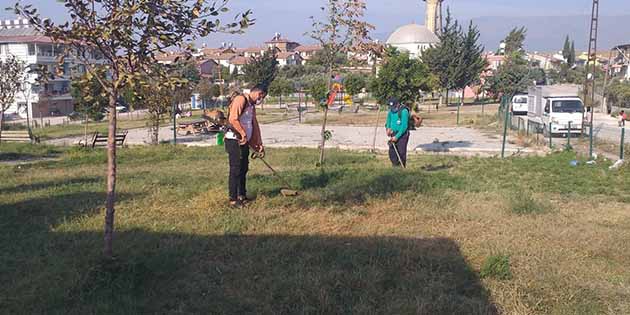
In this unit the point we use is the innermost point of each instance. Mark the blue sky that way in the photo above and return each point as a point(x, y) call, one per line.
point(290, 17)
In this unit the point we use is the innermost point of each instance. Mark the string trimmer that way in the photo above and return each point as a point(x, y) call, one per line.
point(393, 144)
point(286, 191)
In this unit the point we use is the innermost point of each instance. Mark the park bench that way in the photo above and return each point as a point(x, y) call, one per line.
point(99, 139)
point(17, 136)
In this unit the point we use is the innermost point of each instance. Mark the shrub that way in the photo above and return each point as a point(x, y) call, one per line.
point(497, 267)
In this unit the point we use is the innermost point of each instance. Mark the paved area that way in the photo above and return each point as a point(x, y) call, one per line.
point(459, 141)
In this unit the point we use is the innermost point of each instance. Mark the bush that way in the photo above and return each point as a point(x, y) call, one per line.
point(497, 267)
point(523, 203)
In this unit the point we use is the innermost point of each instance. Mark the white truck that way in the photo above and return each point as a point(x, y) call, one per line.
point(519, 105)
point(556, 107)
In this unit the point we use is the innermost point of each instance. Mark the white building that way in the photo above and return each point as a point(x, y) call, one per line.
point(412, 38)
point(21, 40)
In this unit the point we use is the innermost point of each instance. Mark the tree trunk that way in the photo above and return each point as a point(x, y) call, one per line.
point(323, 142)
point(155, 136)
point(1, 123)
point(447, 99)
point(111, 177)
point(86, 129)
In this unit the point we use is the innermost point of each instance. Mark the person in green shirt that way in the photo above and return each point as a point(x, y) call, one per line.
point(397, 127)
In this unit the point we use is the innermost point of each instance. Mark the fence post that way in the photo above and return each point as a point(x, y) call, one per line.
point(623, 135)
point(505, 124)
point(550, 137)
point(569, 137)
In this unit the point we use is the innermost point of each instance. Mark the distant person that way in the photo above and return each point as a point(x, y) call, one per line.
point(243, 133)
point(622, 118)
point(397, 127)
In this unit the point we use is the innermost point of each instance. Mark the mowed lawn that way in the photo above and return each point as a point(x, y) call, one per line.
point(446, 236)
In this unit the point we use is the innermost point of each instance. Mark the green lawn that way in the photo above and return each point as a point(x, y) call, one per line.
point(547, 237)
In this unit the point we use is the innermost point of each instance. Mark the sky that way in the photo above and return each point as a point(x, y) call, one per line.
point(291, 17)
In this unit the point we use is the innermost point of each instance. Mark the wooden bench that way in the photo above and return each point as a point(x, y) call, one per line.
point(17, 136)
point(99, 139)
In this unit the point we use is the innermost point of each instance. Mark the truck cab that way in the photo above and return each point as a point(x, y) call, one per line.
point(560, 111)
point(519, 105)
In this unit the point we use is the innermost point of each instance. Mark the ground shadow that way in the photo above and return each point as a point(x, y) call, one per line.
point(281, 274)
point(26, 188)
point(443, 146)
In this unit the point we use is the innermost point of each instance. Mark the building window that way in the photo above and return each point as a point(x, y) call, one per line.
point(31, 49)
point(4, 49)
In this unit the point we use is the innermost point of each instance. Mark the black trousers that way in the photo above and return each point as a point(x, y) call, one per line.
point(238, 156)
point(401, 146)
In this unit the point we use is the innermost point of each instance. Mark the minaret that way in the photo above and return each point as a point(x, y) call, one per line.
point(433, 19)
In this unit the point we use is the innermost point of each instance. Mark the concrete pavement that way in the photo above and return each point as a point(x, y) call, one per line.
point(456, 141)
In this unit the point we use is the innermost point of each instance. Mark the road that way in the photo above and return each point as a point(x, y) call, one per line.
point(456, 141)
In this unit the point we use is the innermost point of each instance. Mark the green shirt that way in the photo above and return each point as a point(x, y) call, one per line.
point(398, 122)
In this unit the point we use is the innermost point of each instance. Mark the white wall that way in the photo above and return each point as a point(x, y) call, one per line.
point(415, 50)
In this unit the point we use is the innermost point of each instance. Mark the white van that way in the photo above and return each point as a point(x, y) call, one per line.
point(519, 105)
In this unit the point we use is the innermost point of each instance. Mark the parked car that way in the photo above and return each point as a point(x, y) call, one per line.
point(519, 105)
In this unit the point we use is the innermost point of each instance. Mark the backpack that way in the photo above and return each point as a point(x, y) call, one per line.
point(415, 121)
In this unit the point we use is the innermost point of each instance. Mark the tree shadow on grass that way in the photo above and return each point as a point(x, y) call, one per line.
point(281, 274)
point(27, 188)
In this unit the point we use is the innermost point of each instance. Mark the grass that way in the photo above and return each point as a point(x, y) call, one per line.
point(361, 238)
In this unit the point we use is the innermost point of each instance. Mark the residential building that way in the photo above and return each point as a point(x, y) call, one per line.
point(308, 51)
point(289, 58)
point(621, 62)
point(23, 41)
point(283, 44)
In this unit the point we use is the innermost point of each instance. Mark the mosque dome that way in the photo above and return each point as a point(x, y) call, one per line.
point(412, 34)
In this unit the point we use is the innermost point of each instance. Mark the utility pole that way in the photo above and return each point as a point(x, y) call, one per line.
point(589, 83)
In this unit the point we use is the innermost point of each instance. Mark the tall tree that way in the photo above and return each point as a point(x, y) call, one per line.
point(470, 60)
point(341, 30)
point(128, 35)
point(11, 80)
point(515, 40)
point(443, 58)
point(515, 74)
point(572, 56)
point(566, 50)
point(262, 70)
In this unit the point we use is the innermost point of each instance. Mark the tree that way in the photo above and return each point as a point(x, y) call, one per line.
point(157, 99)
point(342, 30)
point(402, 77)
point(280, 87)
point(515, 40)
point(90, 99)
point(12, 78)
point(572, 56)
point(318, 88)
point(515, 74)
point(262, 70)
point(443, 58)
point(206, 92)
point(128, 35)
point(355, 83)
point(566, 50)
point(470, 62)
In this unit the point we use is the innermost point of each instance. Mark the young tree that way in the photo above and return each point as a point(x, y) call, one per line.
point(262, 70)
point(355, 83)
point(11, 80)
point(205, 90)
point(342, 30)
point(128, 35)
